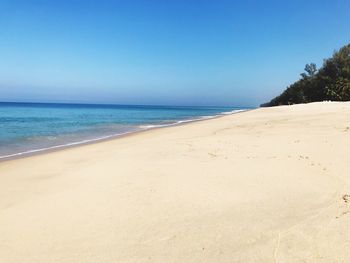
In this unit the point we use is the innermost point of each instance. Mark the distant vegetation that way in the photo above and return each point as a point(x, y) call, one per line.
point(330, 82)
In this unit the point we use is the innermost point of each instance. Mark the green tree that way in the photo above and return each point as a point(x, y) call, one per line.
point(310, 69)
point(330, 82)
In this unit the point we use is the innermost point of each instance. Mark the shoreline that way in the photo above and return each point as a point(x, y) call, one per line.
point(50, 149)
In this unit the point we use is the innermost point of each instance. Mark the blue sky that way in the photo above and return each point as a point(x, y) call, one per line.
point(239, 53)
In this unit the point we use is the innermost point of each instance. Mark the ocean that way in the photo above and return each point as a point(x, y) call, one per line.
point(33, 127)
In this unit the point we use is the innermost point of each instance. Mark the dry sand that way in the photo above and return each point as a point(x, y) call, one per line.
point(268, 185)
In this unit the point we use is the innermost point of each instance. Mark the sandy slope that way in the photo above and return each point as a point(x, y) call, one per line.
point(269, 185)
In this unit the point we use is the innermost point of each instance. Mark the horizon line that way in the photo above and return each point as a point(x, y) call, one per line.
point(116, 104)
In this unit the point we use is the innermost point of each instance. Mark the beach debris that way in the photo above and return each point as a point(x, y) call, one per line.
point(346, 198)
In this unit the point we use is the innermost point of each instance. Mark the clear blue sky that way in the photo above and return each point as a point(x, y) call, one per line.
point(163, 52)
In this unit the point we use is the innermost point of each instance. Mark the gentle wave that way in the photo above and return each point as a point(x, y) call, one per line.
point(231, 112)
point(142, 128)
point(65, 145)
point(191, 120)
point(151, 126)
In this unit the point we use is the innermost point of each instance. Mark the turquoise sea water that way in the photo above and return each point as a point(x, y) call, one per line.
point(32, 127)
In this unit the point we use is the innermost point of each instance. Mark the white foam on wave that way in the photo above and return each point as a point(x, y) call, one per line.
point(231, 112)
point(152, 126)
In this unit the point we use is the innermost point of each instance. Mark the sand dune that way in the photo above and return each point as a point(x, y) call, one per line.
point(268, 185)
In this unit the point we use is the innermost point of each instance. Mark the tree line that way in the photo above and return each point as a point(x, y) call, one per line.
point(330, 82)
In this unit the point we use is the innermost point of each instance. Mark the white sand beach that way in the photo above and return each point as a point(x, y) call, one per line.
point(267, 185)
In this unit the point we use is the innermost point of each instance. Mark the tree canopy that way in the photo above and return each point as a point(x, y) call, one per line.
point(330, 82)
